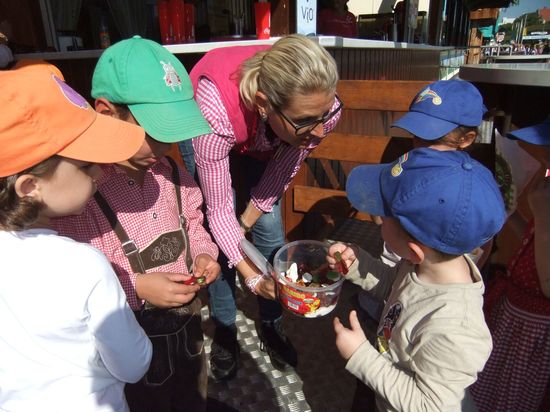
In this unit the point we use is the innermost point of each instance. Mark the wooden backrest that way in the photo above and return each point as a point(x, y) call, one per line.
point(362, 136)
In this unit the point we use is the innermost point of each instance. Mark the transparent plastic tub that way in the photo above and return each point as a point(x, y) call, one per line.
point(306, 301)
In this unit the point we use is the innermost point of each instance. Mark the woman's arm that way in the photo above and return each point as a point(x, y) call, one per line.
point(212, 160)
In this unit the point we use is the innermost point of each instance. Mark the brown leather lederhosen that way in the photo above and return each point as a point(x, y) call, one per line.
point(161, 325)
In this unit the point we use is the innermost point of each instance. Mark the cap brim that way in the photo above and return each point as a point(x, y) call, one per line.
point(364, 191)
point(424, 126)
point(538, 134)
point(107, 140)
point(171, 122)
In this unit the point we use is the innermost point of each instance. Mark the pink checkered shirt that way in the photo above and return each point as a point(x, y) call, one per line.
point(144, 212)
point(212, 159)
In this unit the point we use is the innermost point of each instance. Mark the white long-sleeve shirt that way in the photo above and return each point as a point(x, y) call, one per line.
point(68, 339)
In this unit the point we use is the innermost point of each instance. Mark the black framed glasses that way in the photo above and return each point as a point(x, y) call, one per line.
point(307, 127)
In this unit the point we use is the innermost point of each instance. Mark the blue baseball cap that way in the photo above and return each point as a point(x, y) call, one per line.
point(441, 107)
point(444, 199)
point(538, 134)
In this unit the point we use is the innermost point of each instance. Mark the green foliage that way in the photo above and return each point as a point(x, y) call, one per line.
point(532, 19)
point(506, 28)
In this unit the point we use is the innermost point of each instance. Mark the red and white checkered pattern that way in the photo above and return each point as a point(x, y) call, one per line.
point(212, 159)
point(144, 212)
point(517, 375)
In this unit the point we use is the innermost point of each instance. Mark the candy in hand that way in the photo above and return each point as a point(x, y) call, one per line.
point(201, 280)
point(341, 265)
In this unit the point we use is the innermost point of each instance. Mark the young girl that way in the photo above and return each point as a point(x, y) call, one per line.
point(517, 308)
point(68, 340)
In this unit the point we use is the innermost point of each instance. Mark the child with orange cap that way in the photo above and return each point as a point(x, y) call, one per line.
point(69, 341)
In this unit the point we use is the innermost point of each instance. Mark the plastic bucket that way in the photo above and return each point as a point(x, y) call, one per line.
point(305, 301)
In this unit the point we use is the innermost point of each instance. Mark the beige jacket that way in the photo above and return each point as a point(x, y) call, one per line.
point(432, 340)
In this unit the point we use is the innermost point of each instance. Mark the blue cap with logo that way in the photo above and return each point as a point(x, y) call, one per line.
point(442, 107)
point(538, 134)
point(444, 199)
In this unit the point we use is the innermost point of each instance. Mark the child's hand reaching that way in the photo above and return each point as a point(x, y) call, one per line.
point(348, 340)
point(207, 267)
point(340, 257)
point(165, 290)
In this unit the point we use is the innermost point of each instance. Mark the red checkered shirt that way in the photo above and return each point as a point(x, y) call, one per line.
point(144, 212)
point(212, 160)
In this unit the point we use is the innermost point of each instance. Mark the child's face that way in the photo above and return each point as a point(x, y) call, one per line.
point(150, 152)
point(67, 190)
point(394, 235)
point(457, 139)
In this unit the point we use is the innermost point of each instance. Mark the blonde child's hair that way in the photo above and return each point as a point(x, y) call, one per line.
point(294, 65)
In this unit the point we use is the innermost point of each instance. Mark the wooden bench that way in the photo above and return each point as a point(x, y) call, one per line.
point(316, 201)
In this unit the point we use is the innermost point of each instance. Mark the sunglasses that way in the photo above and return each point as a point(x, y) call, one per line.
point(306, 128)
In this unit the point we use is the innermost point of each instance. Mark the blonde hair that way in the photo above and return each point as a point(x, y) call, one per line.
point(294, 65)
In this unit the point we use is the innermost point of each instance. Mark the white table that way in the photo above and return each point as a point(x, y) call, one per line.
point(520, 74)
point(519, 58)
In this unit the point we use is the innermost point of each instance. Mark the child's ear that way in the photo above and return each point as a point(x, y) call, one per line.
point(416, 253)
point(467, 139)
point(105, 107)
point(27, 186)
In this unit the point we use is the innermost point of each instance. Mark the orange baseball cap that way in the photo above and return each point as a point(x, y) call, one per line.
point(42, 116)
point(20, 64)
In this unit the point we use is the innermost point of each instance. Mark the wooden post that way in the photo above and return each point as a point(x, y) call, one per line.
point(281, 17)
point(474, 44)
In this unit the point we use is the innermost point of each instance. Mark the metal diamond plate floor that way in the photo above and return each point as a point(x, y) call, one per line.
point(319, 382)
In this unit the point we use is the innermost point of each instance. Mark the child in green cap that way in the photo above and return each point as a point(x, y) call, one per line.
point(146, 217)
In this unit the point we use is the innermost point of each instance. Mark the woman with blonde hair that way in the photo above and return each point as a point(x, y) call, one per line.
point(269, 107)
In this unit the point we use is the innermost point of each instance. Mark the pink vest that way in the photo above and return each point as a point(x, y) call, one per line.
point(221, 66)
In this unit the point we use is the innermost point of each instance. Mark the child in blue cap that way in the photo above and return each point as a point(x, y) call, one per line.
point(432, 339)
point(517, 306)
point(444, 115)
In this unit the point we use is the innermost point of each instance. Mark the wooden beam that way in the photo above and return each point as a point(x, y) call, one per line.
point(391, 95)
point(351, 148)
point(325, 201)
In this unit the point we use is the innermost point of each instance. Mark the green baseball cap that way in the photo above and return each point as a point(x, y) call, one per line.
point(154, 84)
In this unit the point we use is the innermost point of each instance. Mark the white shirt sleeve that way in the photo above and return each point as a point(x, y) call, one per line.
point(122, 344)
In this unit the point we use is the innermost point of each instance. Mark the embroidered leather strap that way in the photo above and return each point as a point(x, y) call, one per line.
point(177, 186)
point(129, 247)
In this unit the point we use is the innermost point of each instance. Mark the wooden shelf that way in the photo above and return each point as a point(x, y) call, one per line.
point(483, 14)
